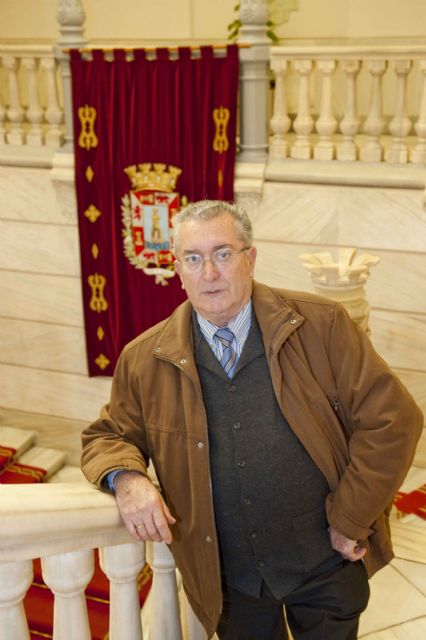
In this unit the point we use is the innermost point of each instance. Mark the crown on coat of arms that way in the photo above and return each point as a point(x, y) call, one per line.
point(153, 177)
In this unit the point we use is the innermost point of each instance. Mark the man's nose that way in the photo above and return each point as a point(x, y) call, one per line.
point(209, 269)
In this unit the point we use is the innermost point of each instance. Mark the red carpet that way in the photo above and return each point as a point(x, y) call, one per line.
point(38, 602)
point(413, 502)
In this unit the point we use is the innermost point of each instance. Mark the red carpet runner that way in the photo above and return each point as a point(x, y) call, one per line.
point(38, 602)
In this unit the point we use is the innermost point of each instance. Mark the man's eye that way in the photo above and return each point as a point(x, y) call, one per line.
point(222, 255)
point(192, 259)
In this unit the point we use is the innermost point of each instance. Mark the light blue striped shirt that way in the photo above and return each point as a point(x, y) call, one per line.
point(240, 327)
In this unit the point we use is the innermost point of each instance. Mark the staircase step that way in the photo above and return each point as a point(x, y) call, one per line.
point(18, 439)
point(51, 460)
point(67, 473)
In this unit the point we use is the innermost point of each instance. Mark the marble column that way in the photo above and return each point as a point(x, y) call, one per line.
point(254, 81)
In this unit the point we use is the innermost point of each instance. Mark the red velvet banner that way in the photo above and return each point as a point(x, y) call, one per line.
point(150, 135)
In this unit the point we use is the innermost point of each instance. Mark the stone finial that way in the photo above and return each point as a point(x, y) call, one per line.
point(343, 280)
point(70, 13)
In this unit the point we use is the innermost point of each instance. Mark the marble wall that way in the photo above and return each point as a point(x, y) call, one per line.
point(42, 357)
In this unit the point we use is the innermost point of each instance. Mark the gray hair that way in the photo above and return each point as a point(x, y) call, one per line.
point(208, 209)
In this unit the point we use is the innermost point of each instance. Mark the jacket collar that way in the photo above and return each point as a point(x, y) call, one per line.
point(277, 320)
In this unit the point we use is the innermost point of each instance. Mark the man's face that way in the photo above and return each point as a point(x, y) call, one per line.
point(218, 294)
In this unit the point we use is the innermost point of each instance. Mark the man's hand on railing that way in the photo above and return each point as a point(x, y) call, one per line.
point(142, 508)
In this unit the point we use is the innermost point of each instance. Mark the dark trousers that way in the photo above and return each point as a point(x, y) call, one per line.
point(324, 608)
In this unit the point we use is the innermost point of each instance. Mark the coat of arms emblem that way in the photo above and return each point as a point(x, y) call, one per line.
point(147, 212)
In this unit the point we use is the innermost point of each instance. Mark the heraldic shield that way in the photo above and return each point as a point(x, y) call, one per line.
point(147, 212)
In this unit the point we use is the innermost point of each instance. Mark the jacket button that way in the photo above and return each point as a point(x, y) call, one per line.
point(260, 563)
point(232, 387)
point(237, 425)
point(253, 535)
point(208, 539)
point(293, 321)
point(242, 464)
point(200, 445)
point(157, 349)
point(247, 501)
point(183, 360)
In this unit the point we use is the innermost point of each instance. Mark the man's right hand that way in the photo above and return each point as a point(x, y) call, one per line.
point(142, 508)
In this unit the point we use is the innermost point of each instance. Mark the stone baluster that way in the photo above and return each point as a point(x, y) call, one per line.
point(326, 124)
point(164, 612)
point(349, 125)
point(400, 124)
point(254, 81)
point(34, 112)
point(2, 119)
point(374, 125)
point(54, 113)
point(303, 123)
point(418, 154)
point(71, 18)
point(280, 122)
point(192, 627)
point(122, 565)
point(15, 112)
point(15, 578)
point(343, 279)
point(67, 575)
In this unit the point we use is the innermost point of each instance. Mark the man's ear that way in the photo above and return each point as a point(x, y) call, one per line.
point(178, 268)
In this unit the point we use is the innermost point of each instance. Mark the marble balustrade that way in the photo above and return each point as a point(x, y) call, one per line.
point(349, 103)
point(30, 97)
point(62, 524)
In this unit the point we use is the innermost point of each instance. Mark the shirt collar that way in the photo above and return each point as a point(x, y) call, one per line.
point(240, 325)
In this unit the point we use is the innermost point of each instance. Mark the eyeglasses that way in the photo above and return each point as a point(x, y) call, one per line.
point(221, 259)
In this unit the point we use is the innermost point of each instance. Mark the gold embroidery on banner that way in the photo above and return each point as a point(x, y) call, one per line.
point(97, 284)
point(95, 250)
point(221, 118)
point(89, 174)
point(102, 361)
point(220, 178)
point(100, 333)
point(87, 139)
point(143, 176)
point(92, 213)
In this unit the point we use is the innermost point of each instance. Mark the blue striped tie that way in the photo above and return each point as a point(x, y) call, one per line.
point(229, 357)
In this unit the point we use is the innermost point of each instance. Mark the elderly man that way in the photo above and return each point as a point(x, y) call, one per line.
point(278, 436)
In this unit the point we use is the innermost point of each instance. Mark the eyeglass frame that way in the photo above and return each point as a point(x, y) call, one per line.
point(234, 253)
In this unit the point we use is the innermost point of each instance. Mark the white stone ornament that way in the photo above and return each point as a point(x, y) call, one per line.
point(343, 279)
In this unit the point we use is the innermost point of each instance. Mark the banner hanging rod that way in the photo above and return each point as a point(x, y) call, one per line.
point(242, 45)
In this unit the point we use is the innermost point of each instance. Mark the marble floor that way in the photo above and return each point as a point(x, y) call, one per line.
point(397, 609)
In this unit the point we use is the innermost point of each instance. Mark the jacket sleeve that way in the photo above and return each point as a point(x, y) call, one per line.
point(383, 424)
point(117, 439)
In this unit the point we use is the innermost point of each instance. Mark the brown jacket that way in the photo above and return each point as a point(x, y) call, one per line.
point(325, 375)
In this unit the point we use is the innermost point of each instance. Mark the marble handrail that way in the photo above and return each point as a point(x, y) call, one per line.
point(349, 103)
point(62, 524)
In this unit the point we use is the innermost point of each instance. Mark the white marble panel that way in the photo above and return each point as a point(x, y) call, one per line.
point(43, 346)
point(29, 194)
point(412, 630)
point(393, 601)
point(56, 394)
point(397, 282)
point(40, 248)
point(414, 572)
point(415, 381)
point(43, 298)
point(400, 338)
point(16, 438)
point(354, 216)
point(415, 478)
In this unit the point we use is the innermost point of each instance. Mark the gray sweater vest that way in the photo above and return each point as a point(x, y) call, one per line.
point(268, 494)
